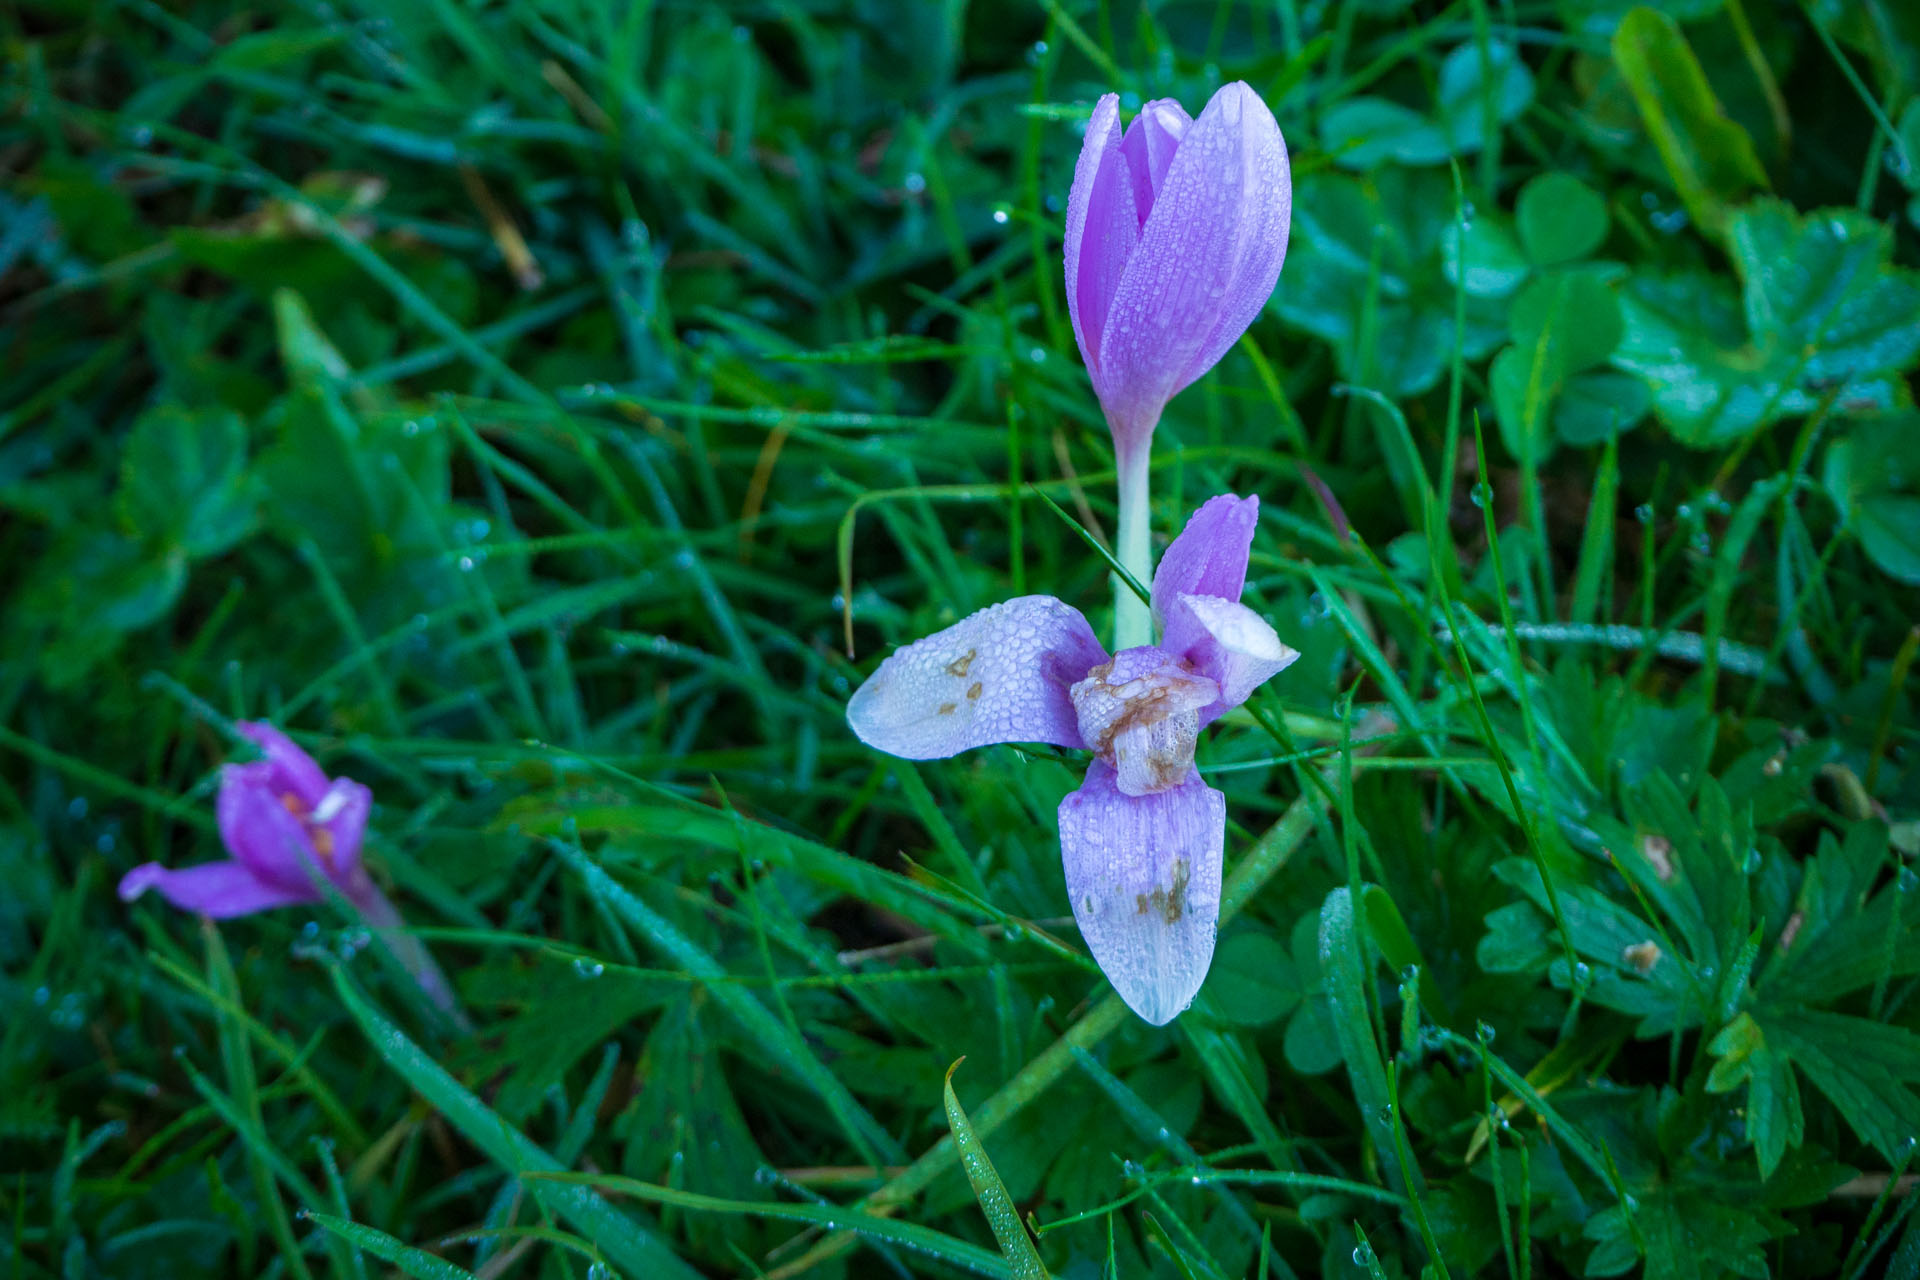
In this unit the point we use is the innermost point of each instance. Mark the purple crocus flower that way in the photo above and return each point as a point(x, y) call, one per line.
point(1141, 840)
point(1175, 234)
point(290, 829)
point(286, 824)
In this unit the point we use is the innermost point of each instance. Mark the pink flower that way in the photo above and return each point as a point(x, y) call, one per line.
point(288, 828)
point(290, 831)
point(1174, 239)
point(1141, 840)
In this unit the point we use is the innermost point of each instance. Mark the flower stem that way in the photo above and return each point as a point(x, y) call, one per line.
point(1132, 618)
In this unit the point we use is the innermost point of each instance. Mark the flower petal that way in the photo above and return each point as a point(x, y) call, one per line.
point(294, 770)
point(1235, 647)
point(1001, 675)
point(1209, 558)
point(1102, 229)
point(218, 889)
point(1149, 145)
point(1141, 713)
point(338, 825)
point(262, 831)
point(1143, 874)
point(1207, 259)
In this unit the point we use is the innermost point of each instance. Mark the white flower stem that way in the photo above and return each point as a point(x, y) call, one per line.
point(1132, 618)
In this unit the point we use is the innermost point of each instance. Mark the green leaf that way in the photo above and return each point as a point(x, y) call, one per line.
point(1364, 273)
point(1562, 324)
point(1863, 1067)
point(1252, 981)
point(1342, 957)
point(1709, 157)
point(183, 480)
point(1774, 1120)
point(1873, 476)
point(1594, 406)
point(1487, 261)
point(1002, 1215)
point(1468, 80)
point(1822, 312)
point(1560, 219)
point(1361, 132)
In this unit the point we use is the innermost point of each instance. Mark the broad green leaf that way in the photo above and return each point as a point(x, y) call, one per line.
point(1560, 219)
point(1364, 272)
point(1873, 476)
point(1467, 82)
point(1002, 1215)
point(183, 481)
point(1487, 261)
point(1709, 157)
point(1562, 324)
point(1593, 406)
point(1822, 312)
point(1863, 1067)
point(1252, 981)
point(1361, 132)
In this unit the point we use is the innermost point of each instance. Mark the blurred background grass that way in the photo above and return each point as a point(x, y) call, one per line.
point(508, 398)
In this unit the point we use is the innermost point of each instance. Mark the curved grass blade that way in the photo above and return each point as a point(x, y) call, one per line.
point(417, 1263)
point(628, 1243)
point(1002, 1216)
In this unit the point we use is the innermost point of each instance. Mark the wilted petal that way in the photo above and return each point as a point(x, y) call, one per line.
point(218, 889)
point(1209, 558)
point(1149, 145)
point(1103, 226)
point(1143, 874)
point(1235, 647)
point(1001, 675)
point(1207, 258)
point(293, 769)
point(262, 828)
point(1141, 713)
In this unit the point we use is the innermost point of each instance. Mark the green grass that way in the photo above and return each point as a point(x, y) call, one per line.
point(549, 410)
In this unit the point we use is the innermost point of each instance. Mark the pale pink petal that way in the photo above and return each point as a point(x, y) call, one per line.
point(1001, 675)
point(1143, 875)
point(1209, 558)
point(218, 889)
point(1102, 228)
point(294, 770)
point(1230, 644)
point(1141, 713)
point(1149, 145)
point(1206, 261)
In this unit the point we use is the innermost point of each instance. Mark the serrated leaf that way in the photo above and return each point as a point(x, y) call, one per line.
point(1822, 313)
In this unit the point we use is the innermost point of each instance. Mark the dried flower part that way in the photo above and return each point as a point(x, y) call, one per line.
point(999, 675)
point(1140, 713)
point(1143, 876)
point(1175, 234)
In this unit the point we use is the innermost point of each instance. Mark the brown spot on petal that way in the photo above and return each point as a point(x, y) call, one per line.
point(958, 667)
point(973, 694)
point(293, 804)
point(323, 843)
point(1170, 903)
point(948, 708)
